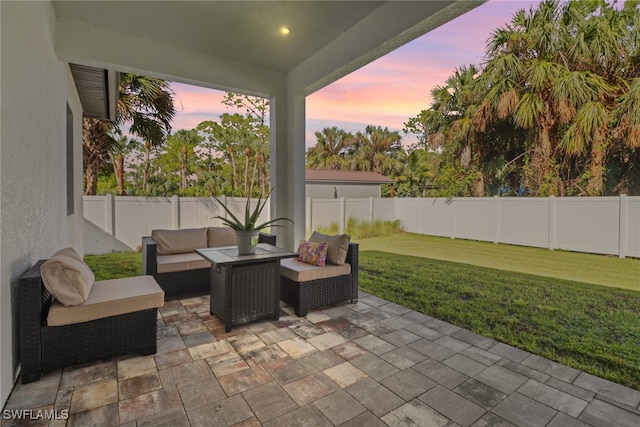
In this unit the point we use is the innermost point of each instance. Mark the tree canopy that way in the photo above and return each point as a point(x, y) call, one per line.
point(145, 104)
point(226, 156)
point(550, 111)
point(554, 109)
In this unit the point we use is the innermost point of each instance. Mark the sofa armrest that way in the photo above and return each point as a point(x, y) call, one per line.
point(149, 256)
point(33, 301)
point(267, 238)
point(352, 259)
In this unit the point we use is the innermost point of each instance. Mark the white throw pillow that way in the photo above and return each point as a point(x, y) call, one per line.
point(67, 277)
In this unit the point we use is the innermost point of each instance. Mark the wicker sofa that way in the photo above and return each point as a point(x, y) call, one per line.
point(306, 287)
point(168, 256)
point(118, 317)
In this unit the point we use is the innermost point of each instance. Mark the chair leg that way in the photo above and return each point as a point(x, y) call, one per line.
point(29, 377)
point(148, 351)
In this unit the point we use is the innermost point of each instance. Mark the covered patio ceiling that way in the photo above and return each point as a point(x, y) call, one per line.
point(238, 46)
point(327, 39)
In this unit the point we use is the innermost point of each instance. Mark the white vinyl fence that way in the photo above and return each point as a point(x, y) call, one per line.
point(602, 225)
point(119, 223)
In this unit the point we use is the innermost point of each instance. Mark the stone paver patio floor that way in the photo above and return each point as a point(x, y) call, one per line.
point(373, 363)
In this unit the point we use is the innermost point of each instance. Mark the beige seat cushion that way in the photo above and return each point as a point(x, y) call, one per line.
point(180, 241)
point(299, 271)
point(67, 277)
point(181, 262)
point(337, 246)
point(220, 236)
point(110, 298)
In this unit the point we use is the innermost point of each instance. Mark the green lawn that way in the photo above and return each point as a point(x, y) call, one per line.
point(545, 302)
point(586, 268)
point(115, 265)
point(588, 327)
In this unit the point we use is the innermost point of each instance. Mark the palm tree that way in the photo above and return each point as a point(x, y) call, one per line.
point(96, 142)
point(117, 151)
point(256, 111)
point(559, 72)
point(418, 173)
point(556, 102)
point(144, 103)
point(451, 123)
point(607, 50)
point(458, 102)
point(380, 150)
point(584, 95)
point(180, 154)
point(232, 137)
point(628, 115)
point(521, 82)
point(329, 151)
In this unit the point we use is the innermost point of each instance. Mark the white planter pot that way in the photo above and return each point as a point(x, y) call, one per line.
point(247, 241)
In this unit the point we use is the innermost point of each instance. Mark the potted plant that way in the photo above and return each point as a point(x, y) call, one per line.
point(247, 231)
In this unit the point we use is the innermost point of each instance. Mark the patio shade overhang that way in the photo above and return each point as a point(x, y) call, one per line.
point(237, 46)
point(327, 39)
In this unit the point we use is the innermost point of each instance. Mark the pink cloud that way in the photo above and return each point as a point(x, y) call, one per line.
point(196, 104)
point(386, 92)
point(398, 86)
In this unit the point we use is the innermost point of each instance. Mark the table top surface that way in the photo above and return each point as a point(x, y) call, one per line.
point(229, 254)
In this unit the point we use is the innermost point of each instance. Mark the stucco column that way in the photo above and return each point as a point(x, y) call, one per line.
point(287, 120)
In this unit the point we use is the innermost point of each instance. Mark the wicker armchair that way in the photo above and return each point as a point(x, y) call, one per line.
point(46, 348)
point(305, 296)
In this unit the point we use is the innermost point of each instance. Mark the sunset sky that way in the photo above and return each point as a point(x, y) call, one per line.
point(386, 92)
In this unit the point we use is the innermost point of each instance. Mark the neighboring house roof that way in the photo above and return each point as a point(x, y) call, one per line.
point(323, 175)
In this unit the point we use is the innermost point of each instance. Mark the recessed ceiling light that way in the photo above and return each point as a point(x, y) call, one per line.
point(285, 30)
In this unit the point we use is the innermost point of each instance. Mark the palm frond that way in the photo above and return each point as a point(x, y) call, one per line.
point(529, 109)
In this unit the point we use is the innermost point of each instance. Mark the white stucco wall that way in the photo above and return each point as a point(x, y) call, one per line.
point(75, 222)
point(35, 89)
point(326, 191)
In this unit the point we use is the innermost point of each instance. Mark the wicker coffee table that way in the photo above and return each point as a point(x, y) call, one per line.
point(245, 288)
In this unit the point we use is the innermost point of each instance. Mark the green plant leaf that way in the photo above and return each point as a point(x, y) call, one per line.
point(250, 217)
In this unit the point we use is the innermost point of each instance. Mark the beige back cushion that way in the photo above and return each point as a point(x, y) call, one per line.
point(180, 241)
point(221, 236)
point(67, 277)
point(337, 246)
